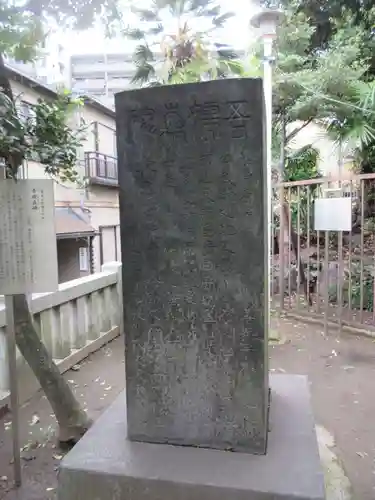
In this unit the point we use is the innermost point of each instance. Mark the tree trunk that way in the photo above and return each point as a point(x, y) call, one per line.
point(286, 209)
point(294, 241)
point(72, 420)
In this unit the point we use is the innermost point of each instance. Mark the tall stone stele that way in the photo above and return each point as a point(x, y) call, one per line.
point(194, 251)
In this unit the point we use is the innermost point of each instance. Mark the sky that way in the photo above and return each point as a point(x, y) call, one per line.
point(235, 33)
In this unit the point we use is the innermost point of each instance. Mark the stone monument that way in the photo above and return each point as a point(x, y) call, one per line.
point(194, 240)
point(194, 250)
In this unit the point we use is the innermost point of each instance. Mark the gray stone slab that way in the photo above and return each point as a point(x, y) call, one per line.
point(194, 247)
point(104, 465)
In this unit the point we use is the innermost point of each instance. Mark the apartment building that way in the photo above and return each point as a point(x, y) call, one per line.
point(101, 75)
point(87, 218)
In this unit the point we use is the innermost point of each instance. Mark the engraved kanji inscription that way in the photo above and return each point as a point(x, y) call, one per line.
point(238, 116)
point(193, 240)
point(174, 123)
point(206, 116)
point(145, 117)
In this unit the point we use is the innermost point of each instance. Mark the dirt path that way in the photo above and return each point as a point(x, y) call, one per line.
point(97, 383)
point(342, 376)
point(341, 371)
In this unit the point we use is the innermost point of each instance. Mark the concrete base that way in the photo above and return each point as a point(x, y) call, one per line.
point(104, 465)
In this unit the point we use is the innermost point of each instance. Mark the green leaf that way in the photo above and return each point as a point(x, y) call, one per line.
point(44, 136)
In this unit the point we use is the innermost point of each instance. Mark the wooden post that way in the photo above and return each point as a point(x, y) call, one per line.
point(13, 385)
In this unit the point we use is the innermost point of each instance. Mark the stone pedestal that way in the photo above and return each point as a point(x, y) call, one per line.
point(105, 465)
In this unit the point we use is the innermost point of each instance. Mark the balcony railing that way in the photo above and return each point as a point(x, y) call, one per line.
point(101, 169)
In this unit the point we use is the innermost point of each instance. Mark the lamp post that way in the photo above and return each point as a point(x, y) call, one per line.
point(266, 22)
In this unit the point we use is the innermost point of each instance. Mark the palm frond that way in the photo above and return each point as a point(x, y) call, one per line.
point(184, 52)
point(154, 83)
point(219, 46)
point(176, 7)
point(219, 21)
point(367, 99)
point(231, 67)
point(133, 33)
point(148, 15)
point(360, 133)
point(143, 54)
point(210, 12)
point(156, 30)
point(214, 12)
point(199, 5)
point(143, 74)
point(227, 54)
point(159, 4)
point(171, 4)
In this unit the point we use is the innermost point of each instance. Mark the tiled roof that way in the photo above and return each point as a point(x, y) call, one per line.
point(68, 222)
point(51, 91)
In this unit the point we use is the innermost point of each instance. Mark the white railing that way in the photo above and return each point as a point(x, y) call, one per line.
point(74, 321)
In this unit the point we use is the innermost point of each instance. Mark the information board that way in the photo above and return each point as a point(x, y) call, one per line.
point(333, 214)
point(28, 251)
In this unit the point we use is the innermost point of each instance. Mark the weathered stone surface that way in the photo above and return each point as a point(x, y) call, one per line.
point(193, 238)
point(106, 466)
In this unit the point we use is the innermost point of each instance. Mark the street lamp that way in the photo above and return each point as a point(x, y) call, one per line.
point(266, 22)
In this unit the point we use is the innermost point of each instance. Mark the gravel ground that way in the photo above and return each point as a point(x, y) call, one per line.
point(341, 370)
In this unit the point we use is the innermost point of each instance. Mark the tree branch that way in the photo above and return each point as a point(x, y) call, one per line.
point(296, 131)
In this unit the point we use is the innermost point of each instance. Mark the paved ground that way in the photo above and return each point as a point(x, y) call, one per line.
point(342, 375)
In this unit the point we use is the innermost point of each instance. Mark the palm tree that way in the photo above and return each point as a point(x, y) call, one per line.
point(352, 127)
point(182, 54)
point(367, 101)
point(354, 119)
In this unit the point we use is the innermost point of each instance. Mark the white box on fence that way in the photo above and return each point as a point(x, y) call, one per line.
point(28, 250)
point(333, 214)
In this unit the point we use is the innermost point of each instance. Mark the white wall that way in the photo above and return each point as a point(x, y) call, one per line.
point(316, 136)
